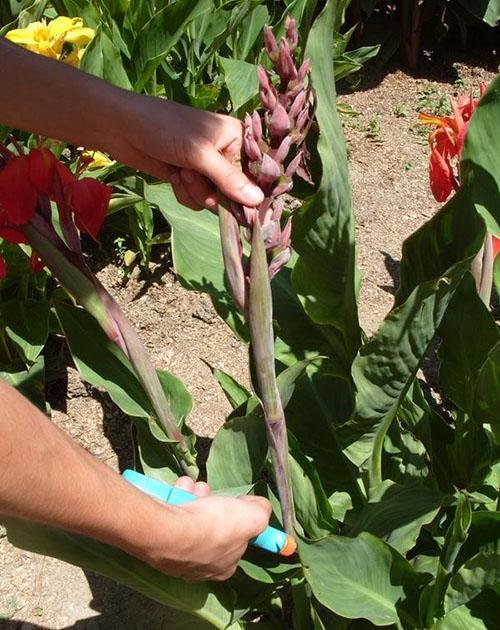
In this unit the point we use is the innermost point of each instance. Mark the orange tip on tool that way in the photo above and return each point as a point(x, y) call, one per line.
point(289, 548)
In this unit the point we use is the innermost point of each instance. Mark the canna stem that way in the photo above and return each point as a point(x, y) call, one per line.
point(262, 343)
point(231, 252)
point(72, 272)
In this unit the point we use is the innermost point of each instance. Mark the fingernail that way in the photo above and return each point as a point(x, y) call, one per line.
point(253, 194)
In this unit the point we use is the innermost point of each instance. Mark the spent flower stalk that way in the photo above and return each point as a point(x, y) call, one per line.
point(273, 152)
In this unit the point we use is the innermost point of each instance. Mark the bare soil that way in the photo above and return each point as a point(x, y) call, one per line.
point(388, 160)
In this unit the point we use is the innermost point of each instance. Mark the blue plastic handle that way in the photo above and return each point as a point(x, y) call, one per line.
point(271, 539)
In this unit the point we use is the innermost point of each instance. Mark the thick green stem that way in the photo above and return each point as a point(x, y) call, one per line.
point(262, 339)
point(74, 275)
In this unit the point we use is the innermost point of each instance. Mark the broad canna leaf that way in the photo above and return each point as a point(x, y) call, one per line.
point(480, 164)
point(212, 602)
point(31, 383)
point(396, 513)
point(26, 324)
point(323, 229)
point(478, 574)
point(161, 33)
point(241, 81)
point(468, 334)
point(486, 10)
point(359, 578)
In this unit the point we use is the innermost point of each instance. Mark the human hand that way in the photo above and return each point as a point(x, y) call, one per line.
point(203, 539)
point(196, 151)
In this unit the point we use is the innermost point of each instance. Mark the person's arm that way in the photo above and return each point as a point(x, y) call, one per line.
point(180, 144)
point(45, 477)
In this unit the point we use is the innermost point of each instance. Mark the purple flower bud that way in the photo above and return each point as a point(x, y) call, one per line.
point(269, 170)
point(263, 78)
point(257, 127)
point(270, 44)
point(297, 104)
point(286, 234)
point(294, 165)
point(271, 232)
point(284, 66)
point(279, 122)
point(268, 98)
point(291, 33)
point(279, 261)
point(282, 151)
point(278, 207)
point(303, 70)
point(252, 148)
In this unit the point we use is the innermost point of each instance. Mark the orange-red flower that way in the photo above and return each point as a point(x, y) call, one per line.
point(446, 143)
point(496, 246)
point(27, 178)
point(3, 267)
point(89, 201)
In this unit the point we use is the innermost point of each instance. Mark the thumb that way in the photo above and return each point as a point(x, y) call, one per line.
point(228, 178)
point(255, 515)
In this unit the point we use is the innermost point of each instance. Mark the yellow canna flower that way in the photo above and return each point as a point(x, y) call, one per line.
point(98, 159)
point(49, 39)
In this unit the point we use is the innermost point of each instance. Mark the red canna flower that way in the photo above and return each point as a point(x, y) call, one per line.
point(89, 200)
point(446, 143)
point(18, 195)
point(3, 268)
point(26, 178)
point(496, 246)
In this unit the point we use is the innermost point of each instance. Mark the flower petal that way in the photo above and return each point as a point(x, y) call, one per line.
point(440, 176)
point(89, 200)
point(17, 194)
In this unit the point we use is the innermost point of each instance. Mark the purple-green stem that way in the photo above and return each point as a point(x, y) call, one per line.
point(231, 253)
point(260, 319)
point(72, 272)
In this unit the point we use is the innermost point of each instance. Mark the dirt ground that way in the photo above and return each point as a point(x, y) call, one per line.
point(388, 160)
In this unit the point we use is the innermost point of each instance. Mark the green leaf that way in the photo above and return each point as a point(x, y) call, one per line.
point(313, 509)
point(487, 401)
point(358, 577)
point(238, 452)
point(30, 383)
point(486, 10)
point(212, 602)
point(386, 366)
point(468, 334)
point(102, 58)
point(100, 362)
point(161, 33)
point(323, 229)
point(250, 30)
point(196, 251)
point(479, 573)
point(241, 81)
point(396, 514)
point(236, 394)
point(27, 325)
point(480, 165)
point(479, 614)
